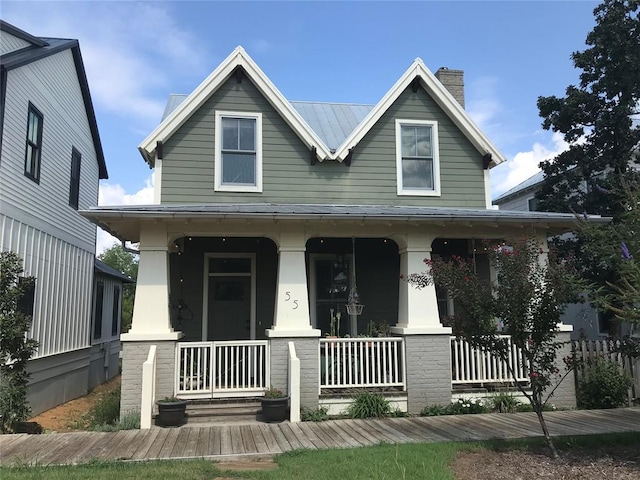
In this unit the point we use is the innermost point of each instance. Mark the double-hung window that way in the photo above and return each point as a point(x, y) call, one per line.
point(74, 184)
point(417, 165)
point(238, 157)
point(34, 144)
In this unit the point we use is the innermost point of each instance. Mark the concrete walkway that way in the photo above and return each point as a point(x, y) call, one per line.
point(253, 441)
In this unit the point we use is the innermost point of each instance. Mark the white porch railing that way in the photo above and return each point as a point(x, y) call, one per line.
point(362, 362)
point(222, 369)
point(470, 365)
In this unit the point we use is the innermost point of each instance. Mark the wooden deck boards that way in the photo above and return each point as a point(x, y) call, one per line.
point(268, 439)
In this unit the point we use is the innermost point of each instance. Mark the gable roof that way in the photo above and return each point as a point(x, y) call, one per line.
point(333, 129)
point(42, 48)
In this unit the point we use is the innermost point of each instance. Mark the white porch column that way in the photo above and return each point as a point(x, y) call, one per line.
point(292, 297)
point(151, 319)
point(543, 260)
point(417, 308)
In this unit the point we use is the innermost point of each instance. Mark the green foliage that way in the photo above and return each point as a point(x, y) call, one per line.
point(603, 385)
point(106, 410)
point(126, 263)
point(462, 406)
point(130, 421)
point(369, 405)
point(314, 415)
point(598, 111)
point(273, 392)
point(504, 402)
point(15, 347)
point(528, 296)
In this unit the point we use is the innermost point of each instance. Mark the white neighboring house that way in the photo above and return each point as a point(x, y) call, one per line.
point(587, 322)
point(50, 165)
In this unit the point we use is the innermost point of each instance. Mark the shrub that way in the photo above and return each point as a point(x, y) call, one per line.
point(604, 385)
point(369, 405)
point(504, 403)
point(130, 421)
point(318, 415)
point(106, 410)
point(274, 393)
point(460, 407)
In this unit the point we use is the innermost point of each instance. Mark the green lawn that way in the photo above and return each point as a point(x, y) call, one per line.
point(430, 460)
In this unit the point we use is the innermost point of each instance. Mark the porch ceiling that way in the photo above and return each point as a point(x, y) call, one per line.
point(125, 221)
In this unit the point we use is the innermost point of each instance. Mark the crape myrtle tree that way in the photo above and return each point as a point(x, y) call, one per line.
point(126, 263)
point(528, 298)
point(15, 347)
point(599, 119)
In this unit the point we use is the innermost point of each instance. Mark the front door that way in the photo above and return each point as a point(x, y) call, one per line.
point(230, 299)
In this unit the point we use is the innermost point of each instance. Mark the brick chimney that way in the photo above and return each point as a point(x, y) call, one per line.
point(453, 80)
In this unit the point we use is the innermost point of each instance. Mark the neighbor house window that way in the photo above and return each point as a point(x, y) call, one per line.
point(34, 144)
point(417, 157)
point(115, 318)
point(238, 157)
point(98, 307)
point(74, 185)
point(532, 204)
point(27, 299)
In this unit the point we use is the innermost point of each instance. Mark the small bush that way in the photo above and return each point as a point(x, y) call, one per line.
point(106, 411)
point(461, 407)
point(604, 385)
point(130, 421)
point(504, 403)
point(369, 405)
point(318, 415)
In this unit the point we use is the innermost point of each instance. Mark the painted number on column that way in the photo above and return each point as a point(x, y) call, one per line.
point(288, 298)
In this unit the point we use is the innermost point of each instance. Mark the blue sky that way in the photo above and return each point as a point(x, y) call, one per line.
point(137, 53)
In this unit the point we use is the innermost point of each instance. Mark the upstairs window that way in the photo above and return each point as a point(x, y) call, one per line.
point(74, 184)
point(34, 144)
point(417, 163)
point(532, 204)
point(238, 157)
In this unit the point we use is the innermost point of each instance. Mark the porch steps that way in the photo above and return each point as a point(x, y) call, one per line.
point(233, 411)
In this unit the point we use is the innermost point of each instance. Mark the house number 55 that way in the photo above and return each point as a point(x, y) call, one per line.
point(288, 298)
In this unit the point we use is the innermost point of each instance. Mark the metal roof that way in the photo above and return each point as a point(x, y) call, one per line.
point(528, 183)
point(318, 211)
point(332, 122)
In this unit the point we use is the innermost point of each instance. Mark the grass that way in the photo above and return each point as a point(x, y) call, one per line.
point(426, 460)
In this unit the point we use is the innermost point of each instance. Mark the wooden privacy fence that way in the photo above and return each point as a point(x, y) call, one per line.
point(587, 351)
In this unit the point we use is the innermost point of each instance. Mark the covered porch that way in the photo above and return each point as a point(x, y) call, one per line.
point(223, 291)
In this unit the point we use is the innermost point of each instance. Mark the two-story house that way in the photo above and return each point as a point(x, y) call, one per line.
point(271, 214)
point(51, 161)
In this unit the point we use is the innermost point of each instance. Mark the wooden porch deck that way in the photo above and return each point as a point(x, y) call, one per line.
point(220, 442)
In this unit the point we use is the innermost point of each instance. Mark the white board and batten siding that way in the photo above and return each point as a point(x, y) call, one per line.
point(10, 43)
point(36, 221)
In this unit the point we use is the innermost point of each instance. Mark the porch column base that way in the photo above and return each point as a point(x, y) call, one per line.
point(276, 333)
point(565, 394)
point(421, 330)
point(308, 353)
point(428, 367)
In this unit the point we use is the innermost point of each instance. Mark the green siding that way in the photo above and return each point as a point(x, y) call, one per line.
point(188, 164)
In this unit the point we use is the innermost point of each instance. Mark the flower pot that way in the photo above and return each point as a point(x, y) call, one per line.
point(171, 414)
point(275, 409)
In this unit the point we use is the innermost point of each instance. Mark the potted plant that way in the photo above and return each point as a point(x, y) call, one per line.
point(275, 405)
point(171, 411)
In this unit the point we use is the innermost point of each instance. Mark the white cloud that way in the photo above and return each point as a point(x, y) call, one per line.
point(525, 164)
point(130, 50)
point(114, 194)
point(482, 103)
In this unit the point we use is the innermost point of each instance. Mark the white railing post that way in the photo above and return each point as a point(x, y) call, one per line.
point(148, 389)
point(294, 384)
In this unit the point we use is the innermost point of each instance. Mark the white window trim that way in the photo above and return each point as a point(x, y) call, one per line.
point(436, 160)
point(219, 187)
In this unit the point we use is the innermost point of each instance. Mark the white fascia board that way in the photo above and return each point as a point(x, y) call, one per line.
point(441, 96)
point(201, 94)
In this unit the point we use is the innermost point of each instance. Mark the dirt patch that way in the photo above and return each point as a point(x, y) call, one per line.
point(619, 463)
point(66, 417)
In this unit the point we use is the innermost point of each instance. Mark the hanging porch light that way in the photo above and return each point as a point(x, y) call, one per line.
point(354, 307)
